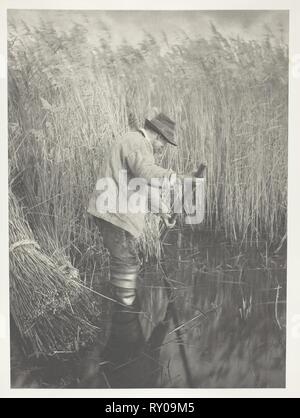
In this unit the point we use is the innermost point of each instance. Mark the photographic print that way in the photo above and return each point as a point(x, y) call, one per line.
point(148, 160)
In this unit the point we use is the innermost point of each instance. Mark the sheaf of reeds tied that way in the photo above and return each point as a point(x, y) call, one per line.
point(49, 306)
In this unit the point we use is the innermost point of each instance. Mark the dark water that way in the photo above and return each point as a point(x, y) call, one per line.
point(217, 322)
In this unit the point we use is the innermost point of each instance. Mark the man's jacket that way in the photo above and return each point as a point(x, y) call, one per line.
point(134, 153)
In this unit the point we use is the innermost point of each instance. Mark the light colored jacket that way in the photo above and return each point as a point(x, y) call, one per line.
point(134, 153)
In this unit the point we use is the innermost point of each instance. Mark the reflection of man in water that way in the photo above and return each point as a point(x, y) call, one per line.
point(134, 152)
point(128, 360)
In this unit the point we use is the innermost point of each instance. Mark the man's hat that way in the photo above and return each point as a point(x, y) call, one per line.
point(162, 125)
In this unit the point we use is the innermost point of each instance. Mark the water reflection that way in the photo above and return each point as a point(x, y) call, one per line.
point(231, 304)
point(129, 360)
point(218, 322)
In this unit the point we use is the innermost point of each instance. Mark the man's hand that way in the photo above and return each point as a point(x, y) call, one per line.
point(200, 171)
point(196, 174)
point(169, 220)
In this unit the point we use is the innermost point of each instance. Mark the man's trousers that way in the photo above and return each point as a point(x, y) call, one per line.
point(124, 261)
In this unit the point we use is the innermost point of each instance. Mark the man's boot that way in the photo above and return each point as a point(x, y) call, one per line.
point(123, 280)
point(124, 295)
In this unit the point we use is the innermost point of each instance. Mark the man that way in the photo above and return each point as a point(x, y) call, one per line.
point(134, 155)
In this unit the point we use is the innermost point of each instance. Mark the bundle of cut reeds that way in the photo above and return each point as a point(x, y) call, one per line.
point(51, 308)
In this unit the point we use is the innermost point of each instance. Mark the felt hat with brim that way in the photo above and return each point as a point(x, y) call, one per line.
point(162, 125)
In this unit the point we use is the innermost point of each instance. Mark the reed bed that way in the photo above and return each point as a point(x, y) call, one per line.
point(69, 99)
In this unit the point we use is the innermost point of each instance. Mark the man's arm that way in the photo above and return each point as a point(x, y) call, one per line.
point(144, 166)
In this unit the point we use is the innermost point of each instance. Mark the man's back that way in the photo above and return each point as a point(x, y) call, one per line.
point(130, 156)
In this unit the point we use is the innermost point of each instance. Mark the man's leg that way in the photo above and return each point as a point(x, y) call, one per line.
point(124, 262)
